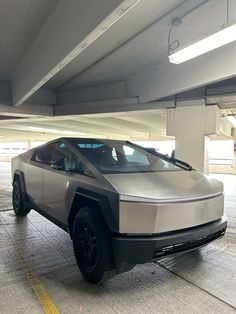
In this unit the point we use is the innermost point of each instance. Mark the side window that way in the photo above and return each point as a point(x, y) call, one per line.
point(43, 155)
point(64, 159)
point(60, 157)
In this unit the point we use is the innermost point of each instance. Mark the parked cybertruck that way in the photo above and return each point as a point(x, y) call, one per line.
point(121, 204)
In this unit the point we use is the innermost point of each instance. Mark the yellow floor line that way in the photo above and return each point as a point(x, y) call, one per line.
point(39, 290)
point(41, 293)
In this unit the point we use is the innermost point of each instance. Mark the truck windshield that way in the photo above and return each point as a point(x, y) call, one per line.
point(121, 157)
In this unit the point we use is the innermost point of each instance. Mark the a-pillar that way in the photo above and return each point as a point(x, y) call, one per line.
point(191, 126)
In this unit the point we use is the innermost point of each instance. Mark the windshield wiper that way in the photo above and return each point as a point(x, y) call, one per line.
point(180, 163)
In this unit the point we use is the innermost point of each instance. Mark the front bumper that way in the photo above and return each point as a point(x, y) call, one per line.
point(131, 250)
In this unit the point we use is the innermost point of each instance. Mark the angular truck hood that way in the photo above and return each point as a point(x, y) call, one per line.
point(168, 186)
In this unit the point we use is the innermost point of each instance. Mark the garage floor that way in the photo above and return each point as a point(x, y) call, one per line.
point(38, 272)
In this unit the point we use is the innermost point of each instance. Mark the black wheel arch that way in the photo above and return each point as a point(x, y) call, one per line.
point(105, 206)
point(19, 175)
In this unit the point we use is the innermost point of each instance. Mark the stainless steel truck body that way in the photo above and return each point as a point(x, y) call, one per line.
point(121, 204)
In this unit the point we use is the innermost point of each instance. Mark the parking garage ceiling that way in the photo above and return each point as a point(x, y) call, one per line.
point(64, 62)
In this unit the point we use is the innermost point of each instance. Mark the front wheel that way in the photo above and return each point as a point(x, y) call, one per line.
point(92, 246)
point(17, 200)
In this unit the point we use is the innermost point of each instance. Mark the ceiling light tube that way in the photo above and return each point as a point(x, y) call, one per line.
point(219, 39)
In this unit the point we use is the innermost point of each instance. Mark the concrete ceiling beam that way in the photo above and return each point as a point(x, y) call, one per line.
point(12, 135)
point(151, 120)
point(26, 110)
point(225, 94)
point(169, 79)
point(109, 106)
point(21, 135)
point(128, 125)
point(221, 99)
point(90, 125)
point(221, 90)
point(5, 91)
point(73, 26)
point(166, 79)
point(109, 91)
point(80, 127)
point(43, 130)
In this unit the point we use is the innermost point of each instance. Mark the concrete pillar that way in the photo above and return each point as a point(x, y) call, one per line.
point(191, 126)
point(29, 144)
point(234, 170)
point(234, 136)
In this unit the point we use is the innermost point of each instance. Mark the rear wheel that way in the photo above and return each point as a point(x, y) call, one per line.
point(17, 200)
point(92, 246)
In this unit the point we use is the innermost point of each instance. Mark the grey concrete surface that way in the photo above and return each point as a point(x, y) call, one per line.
point(35, 253)
point(5, 186)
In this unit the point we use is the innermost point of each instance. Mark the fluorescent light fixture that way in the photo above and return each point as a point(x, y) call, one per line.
point(219, 39)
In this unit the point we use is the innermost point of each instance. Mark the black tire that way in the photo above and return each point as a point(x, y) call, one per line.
point(17, 200)
point(92, 246)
